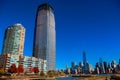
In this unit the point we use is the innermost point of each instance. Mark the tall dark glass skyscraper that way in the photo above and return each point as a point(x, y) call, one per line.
point(101, 66)
point(44, 38)
point(84, 63)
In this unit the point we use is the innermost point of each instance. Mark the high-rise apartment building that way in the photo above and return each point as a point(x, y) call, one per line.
point(45, 34)
point(14, 40)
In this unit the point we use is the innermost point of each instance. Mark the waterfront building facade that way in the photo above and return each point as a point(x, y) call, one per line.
point(14, 40)
point(44, 36)
point(26, 62)
point(6, 60)
point(31, 62)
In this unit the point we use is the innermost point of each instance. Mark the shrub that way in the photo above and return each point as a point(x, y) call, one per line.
point(12, 69)
point(42, 73)
point(36, 70)
point(2, 71)
point(20, 69)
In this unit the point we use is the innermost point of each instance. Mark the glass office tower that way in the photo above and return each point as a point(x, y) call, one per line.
point(44, 38)
point(84, 63)
point(14, 40)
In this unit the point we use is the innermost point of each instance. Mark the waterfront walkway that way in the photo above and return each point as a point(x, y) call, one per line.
point(25, 78)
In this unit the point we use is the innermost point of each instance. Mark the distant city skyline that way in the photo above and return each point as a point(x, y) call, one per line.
point(85, 62)
point(90, 25)
point(101, 67)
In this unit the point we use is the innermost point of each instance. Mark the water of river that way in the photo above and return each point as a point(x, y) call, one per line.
point(77, 78)
point(68, 78)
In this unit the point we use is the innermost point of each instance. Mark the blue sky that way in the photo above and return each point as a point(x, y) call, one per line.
point(92, 26)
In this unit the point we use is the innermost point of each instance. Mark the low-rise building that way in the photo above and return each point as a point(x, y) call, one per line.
point(26, 62)
point(6, 60)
